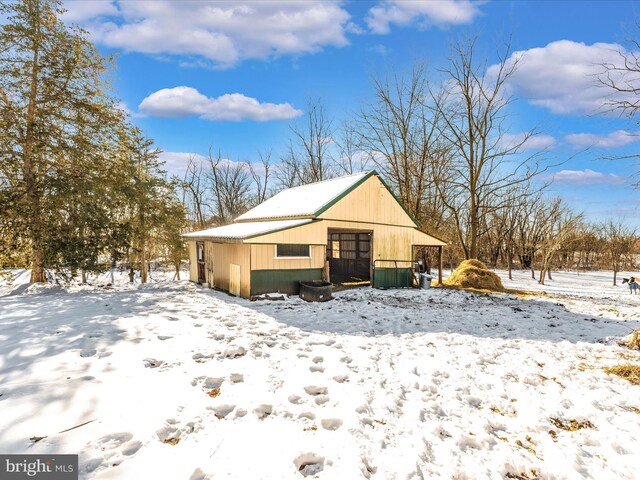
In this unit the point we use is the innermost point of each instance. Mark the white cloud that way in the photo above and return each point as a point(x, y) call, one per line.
point(425, 13)
point(81, 11)
point(176, 162)
point(616, 139)
point(380, 49)
point(586, 177)
point(187, 101)
point(221, 32)
point(563, 76)
point(534, 142)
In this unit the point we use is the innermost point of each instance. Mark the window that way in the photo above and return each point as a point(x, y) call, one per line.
point(335, 249)
point(292, 251)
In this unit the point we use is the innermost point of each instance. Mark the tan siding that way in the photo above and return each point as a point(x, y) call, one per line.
point(218, 257)
point(193, 262)
point(262, 258)
point(370, 202)
point(421, 238)
point(309, 234)
point(390, 242)
point(234, 279)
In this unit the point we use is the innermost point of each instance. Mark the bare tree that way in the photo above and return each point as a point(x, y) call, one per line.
point(619, 241)
point(622, 80)
point(260, 176)
point(194, 192)
point(398, 132)
point(529, 232)
point(485, 162)
point(350, 157)
point(560, 225)
point(308, 158)
point(230, 185)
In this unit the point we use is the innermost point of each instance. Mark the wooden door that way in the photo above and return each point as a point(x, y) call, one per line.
point(234, 279)
point(200, 259)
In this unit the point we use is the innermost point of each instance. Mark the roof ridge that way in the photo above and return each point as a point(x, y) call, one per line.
point(365, 172)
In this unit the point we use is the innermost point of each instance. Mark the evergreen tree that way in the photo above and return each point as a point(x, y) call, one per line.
point(157, 217)
point(60, 138)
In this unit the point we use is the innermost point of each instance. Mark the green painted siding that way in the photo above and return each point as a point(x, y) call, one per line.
point(392, 278)
point(283, 281)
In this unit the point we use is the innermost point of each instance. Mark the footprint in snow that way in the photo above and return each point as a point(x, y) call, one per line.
point(221, 411)
point(263, 411)
point(309, 464)
point(235, 352)
point(173, 432)
point(315, 390)
point(295, 399)
point(331, 423)
point(110, 451)
point(152, 363)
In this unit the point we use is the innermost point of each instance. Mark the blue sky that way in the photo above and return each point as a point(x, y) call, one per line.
point(237, 74)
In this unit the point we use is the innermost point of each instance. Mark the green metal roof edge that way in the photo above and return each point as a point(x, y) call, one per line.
point(413, 219)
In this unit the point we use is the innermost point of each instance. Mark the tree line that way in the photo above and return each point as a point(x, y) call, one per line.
point(80, 186)
point(447, 152)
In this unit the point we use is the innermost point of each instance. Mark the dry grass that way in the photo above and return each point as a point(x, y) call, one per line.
point(571, 425)
point(473, 274)
point(634, 343)
point(532, 475)
point(628, 372)
point(214, 393)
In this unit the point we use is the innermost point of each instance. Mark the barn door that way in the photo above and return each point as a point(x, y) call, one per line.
point(200, 259)
point(234, 279)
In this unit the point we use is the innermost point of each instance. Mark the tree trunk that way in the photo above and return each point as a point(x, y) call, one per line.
point(143, 263)
point(549, 273)
point(37, 266)
point(509, 264)
point(475, 224)
point(31, 174)
point(615, 277)
point(542, 271)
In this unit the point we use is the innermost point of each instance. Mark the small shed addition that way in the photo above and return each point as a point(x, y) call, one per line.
point(347, 229)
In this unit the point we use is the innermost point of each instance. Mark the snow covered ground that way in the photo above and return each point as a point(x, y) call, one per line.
point(172, 381)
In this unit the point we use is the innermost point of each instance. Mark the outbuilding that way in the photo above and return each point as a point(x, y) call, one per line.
point(347, 229)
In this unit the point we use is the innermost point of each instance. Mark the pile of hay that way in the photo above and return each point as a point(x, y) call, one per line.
point(474, 274)
point(628, 372)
